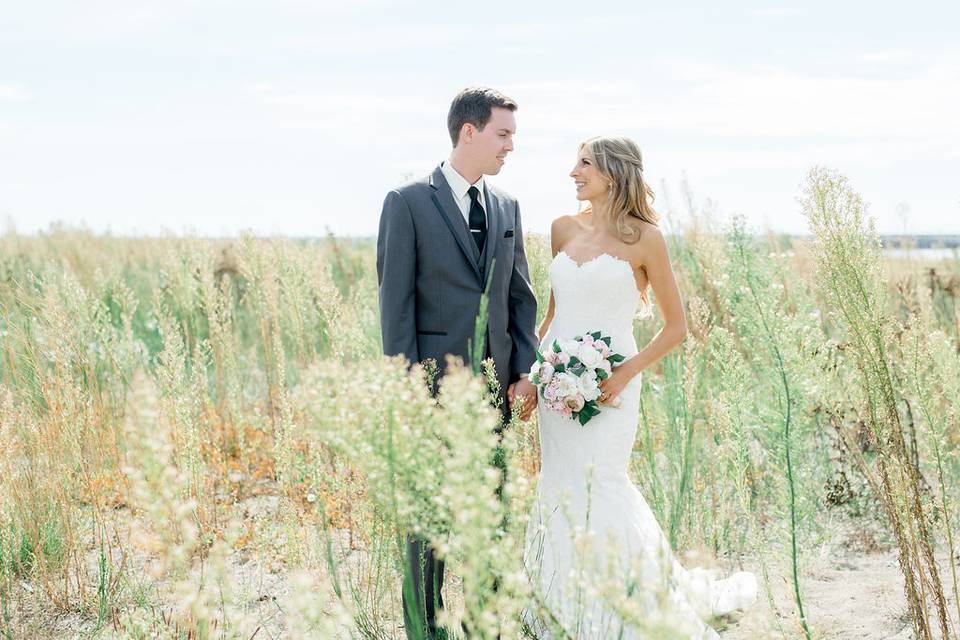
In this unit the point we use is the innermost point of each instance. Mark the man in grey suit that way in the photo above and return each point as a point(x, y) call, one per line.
point(443, 240)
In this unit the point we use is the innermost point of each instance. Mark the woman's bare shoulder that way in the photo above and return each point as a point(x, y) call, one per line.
point(565, 223)
point(563, 228)
point(651, 245)
point(649, 231)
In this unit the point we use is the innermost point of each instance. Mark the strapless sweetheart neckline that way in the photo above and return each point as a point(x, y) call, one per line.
point(585, 263)
point(593, 259)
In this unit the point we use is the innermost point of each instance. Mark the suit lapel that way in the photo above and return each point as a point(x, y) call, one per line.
point(493, 230)
point(442, 197)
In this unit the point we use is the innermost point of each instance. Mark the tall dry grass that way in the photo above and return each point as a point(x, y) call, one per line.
point(201, 439)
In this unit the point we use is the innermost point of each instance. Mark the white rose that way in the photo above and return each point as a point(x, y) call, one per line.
point(589, 356)
point(589, 388)
point(534, 368)
point(546, 372)
point(566, 384)
point(570, 347)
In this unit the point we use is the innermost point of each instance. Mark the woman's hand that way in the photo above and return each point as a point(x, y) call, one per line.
point(611, 387)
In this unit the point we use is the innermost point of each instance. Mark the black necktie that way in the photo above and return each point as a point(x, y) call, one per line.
point(478, 221)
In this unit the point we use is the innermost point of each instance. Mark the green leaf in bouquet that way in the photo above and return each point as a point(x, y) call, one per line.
point(536, 379)
point(556, 346)
point(574, 361)
point(616, 358)
point(595, 335)
point(585, 414)
point(606, 340)
point(559, 368)
point(540, 357)
point(602, 374)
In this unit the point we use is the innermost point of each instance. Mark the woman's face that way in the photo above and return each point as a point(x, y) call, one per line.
point(589, 182)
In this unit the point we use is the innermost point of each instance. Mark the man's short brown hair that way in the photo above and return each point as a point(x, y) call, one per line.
point(475, 105)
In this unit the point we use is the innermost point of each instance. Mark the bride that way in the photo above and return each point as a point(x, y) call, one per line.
point(599, 562)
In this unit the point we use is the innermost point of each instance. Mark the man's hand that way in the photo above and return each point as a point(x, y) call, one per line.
point(524, 392)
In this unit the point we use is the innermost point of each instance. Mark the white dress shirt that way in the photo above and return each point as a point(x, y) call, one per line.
point(459, 186)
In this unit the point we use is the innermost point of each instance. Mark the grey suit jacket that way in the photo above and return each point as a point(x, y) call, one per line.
point(431, 277)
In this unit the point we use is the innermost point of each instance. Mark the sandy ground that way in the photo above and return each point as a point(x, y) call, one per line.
point(858, 596)
point(848, 592)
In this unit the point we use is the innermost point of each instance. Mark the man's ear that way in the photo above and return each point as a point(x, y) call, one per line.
point(466, 133)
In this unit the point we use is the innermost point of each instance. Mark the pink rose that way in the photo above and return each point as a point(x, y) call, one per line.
point(575, 402)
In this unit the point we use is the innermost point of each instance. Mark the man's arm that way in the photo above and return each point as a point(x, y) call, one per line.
point(522, 309)
point(396, 271)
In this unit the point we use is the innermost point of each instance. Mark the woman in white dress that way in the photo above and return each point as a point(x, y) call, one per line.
point(599, 562)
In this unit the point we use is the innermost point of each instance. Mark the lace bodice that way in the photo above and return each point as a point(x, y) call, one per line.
point(598, 295)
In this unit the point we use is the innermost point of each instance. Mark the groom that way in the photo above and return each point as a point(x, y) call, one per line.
point(444, 239)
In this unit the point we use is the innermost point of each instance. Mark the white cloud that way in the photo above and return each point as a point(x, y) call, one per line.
point(259, 87)
point(760, 101)
point(776, 12)
point(771, 101)
point(423, 38)
point(893, 55)
point(342, 103)
point(13, 92)
point(352, 117)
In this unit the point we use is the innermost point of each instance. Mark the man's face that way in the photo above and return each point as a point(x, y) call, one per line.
point(489, 147)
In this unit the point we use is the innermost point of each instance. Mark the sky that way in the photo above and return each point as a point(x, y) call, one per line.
point(295, 118)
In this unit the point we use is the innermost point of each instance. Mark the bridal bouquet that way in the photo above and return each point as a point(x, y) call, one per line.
point(569, 374)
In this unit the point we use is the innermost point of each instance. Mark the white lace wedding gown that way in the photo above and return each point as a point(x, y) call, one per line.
point(595, 551)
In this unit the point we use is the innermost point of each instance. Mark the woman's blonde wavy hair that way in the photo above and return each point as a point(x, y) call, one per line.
point(618, 159)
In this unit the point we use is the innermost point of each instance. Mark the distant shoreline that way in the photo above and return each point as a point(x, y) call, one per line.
point(920, 241)
point(888, 241)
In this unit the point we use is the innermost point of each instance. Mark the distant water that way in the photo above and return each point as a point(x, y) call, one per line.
point(926, 253)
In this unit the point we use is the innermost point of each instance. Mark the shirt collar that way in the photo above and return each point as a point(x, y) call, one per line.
point(458, 184)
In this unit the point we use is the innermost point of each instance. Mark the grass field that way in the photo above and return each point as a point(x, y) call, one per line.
point(200, 439)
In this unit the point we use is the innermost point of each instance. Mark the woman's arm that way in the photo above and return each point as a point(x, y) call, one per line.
point(559, 230)
point(656, 259)
point(547, 319)
point(652, 250)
